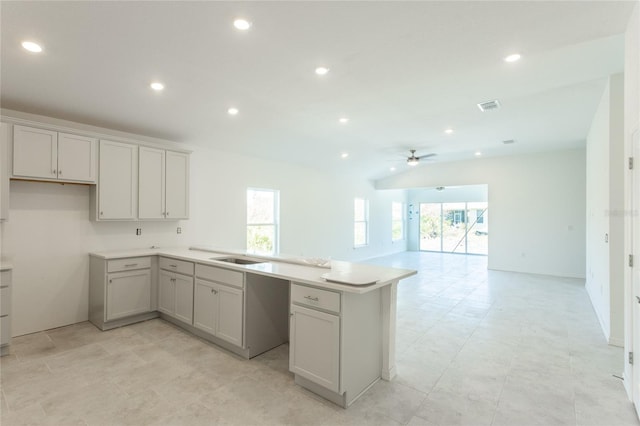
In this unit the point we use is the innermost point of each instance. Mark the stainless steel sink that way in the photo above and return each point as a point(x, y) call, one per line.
point(238, 260)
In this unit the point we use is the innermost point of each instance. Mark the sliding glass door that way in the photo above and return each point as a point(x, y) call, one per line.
point(454, 227)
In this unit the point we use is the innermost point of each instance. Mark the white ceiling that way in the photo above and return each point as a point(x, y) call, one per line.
point(402, 72)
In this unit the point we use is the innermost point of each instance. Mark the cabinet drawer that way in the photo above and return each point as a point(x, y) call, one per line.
point(5, 300)
point(221, 275)
point(175, 265)
point(5, 330)
point(315, 297)
point(128, 264)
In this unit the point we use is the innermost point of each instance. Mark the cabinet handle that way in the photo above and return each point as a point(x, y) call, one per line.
point(54, 171)
point(214, 291)
point(315, 299)
point(60, 172)
point(110, 281)
point(101, 213)
point(167, 213)
point(173, 266)
point(130, 265)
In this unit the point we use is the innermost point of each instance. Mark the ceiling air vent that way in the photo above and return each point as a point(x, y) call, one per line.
point(489, 105)
point(508, 142)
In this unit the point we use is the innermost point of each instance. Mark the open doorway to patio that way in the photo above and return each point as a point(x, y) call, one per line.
point(453, 219)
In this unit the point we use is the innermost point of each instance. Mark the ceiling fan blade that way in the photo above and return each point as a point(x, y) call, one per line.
point(427, 156)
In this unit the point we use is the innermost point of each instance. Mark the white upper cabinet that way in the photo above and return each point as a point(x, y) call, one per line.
point(164, 184)
point(35, 153)
point(151, 187)
point(177, 185)
point(4, 171)
point(76, 158)
point(45, 154)
point(118, 181)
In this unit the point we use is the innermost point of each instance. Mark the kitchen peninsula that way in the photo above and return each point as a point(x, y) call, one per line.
point(339, 320)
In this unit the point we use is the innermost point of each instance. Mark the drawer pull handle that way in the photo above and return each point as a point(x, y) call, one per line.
point(130, 265)
point(173, 266)
point(315, 299)
point(214, 291)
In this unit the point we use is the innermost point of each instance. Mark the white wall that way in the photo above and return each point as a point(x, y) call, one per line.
point(316, 208)
point(605, 204)
point(457, 194)
point(631, 125)
point(537, 206)
point(49, 233)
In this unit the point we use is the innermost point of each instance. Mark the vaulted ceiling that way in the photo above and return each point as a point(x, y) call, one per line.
point(401, 72)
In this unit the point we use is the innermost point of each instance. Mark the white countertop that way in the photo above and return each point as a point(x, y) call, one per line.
point(281, 267)
point(5, 266)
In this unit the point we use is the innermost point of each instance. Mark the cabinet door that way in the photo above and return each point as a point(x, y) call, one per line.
point(314, 346)
point(118, 181)
point(229, 321)
point(4, 171)
point(184, 298)
point(128, 293)
point(76, 158)
point(177, 185)
point(205, 309)
point(166, 293)
point(151, 183)
point(35, 153)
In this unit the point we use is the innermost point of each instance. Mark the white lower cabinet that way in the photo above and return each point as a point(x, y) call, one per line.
point(121, 291)
point(175, 294)
point(334, 341)
point(314, 347)
point(218, 310)
point(5, 311)
point(128, 293)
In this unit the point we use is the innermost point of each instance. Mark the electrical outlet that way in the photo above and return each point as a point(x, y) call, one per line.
point(179, 230)
point(138, 231)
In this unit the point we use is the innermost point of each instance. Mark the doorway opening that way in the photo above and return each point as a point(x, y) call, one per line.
point(461, 227)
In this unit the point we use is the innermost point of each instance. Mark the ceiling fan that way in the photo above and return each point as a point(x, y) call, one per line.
point(413, 160)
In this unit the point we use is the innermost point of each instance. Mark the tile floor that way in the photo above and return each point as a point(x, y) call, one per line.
point(474, 347)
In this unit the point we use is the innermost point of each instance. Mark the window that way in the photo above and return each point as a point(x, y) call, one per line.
point(262, 221)
point(397, 221)
point(361, 222)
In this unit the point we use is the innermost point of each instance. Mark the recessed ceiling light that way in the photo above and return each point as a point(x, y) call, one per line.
point(242, 24)
point(392, 169)
point(448, 131)
point(157, 86)
point(32, 47)
point(343, 120)
point(233, 111)
point(344, 155)
point(512, 58)
point(478, 153)
point(322, 70)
